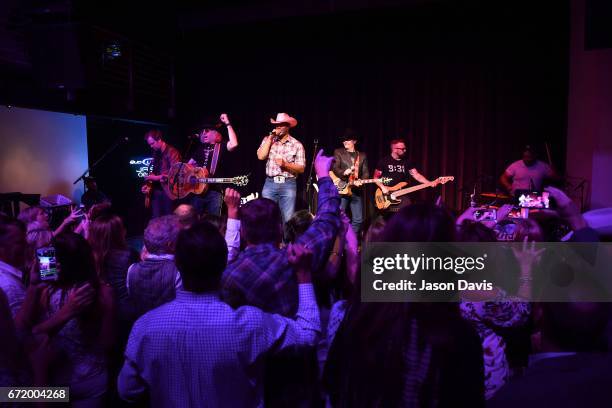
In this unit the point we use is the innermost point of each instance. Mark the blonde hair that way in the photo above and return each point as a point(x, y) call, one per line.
point(38, 235)
point(29, 215)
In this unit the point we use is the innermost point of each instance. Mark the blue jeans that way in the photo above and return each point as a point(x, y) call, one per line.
point(283, 194)
point(210, 203)
point(355, 202)
point(161, 204)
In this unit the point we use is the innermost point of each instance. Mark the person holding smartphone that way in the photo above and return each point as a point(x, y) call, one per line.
point(77, 315)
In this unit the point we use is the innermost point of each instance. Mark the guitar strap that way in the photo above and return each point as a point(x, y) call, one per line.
point(215, 159)
point(356, 164)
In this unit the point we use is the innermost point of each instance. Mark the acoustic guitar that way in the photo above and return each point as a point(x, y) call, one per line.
point(185, 178)
point(344, 187)
point(384, 201)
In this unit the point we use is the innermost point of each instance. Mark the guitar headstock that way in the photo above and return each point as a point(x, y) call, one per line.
point(444, 180)
point(385, 180)
point(250, 197)
point(240, 181)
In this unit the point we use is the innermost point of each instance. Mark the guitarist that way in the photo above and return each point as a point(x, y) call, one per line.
point(212, 153)
point(351, 165)
point(164, 156)
point(398, 168)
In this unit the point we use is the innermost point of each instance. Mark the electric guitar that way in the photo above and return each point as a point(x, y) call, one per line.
point(344, 187)
point(384, 201)
point(184, 178)
point(147, 188)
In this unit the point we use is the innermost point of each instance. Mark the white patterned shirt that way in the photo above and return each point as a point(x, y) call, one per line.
point(291, 150)
point(198, 351)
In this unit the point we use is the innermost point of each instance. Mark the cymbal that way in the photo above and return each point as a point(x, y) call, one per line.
point(496, 195)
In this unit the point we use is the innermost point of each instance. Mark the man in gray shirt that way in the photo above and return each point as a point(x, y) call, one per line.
point(528, 173)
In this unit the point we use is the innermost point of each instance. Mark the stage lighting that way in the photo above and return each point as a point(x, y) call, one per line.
point(112, 51)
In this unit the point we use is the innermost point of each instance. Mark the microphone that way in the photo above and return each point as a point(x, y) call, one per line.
point(194, 136)
point(274, 135)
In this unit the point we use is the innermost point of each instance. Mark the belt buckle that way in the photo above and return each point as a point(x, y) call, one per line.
point(279, 179)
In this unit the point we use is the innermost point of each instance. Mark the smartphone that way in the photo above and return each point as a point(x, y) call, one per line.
point(515, 212)
point(485, 214)
point(534, 199)
point(49, 270)
point(79, 210)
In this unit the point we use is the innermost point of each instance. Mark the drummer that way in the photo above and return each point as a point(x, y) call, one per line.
point(213, 154)
point(528, 173)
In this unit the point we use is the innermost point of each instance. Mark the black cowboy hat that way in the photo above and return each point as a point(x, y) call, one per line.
point(349, 134)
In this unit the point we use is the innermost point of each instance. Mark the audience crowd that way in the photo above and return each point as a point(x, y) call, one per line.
point(244, 311)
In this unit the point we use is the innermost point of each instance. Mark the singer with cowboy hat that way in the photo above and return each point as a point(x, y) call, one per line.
point(285, 160)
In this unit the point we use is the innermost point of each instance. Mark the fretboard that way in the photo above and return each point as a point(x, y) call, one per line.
point(408, 190)
point(218, 180)
point(368, 181)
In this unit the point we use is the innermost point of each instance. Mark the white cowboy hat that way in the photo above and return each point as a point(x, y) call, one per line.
point(284, 118)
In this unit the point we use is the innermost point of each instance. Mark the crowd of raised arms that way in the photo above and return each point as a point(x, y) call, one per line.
point(254, 304)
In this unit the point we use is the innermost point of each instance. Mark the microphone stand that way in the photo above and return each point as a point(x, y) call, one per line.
point(309, 179)
point(110, 149)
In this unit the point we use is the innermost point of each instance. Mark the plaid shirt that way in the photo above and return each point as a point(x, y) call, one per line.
point(261, 275)
point(163, 161)
point(290, 150)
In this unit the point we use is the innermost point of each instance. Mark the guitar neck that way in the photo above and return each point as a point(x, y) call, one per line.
point(409, 190)
point(368, 181)
point(216, 180)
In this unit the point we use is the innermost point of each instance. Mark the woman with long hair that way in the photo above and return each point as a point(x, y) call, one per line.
point(112, 256)
point(112, 259)
point(406, 354)
point(78, 313)
point(106, 235)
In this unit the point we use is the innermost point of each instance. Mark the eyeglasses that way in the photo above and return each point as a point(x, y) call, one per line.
point(399, 148)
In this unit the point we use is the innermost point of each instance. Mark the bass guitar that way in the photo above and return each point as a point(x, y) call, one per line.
point(384, 201)
point(184, 178)
point(344, 187)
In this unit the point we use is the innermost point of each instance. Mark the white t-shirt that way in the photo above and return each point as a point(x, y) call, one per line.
point(523, 176)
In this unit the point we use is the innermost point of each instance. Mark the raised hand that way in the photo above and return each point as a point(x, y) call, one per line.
point(567, 209)
point(224, 119)
point(80, 299)
point(528, 256)
point(232, 201)
point(300, 258)
point(322, 164)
